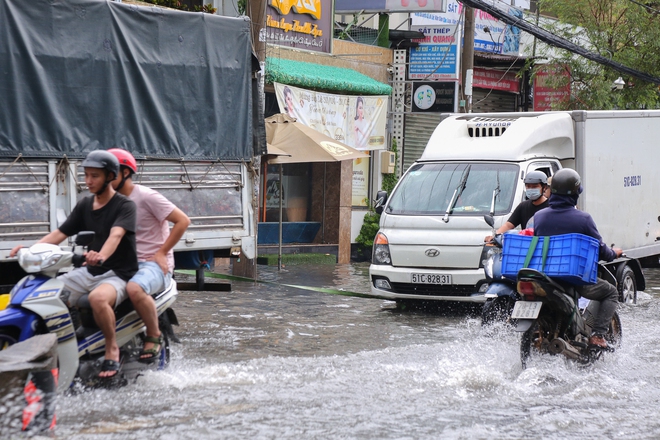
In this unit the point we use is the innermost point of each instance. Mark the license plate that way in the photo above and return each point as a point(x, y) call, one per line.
point(526, 309)
point(429, 278)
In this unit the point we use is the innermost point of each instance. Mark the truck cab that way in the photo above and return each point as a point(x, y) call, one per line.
point(430, 245)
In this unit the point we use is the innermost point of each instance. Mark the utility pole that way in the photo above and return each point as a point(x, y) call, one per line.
point(467, 59)
point(256, 10)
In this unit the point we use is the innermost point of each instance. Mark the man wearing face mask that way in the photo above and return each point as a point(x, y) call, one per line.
point(536, 183)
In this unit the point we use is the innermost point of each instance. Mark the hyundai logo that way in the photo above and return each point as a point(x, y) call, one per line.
point(432, 252)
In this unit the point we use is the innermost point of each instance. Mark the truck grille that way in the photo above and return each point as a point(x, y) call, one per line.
point(488, 127)
point(429, 289)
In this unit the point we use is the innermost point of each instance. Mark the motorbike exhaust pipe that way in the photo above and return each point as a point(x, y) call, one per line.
point(559, 346)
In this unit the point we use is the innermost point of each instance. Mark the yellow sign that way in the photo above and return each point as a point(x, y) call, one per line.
point(310, 7)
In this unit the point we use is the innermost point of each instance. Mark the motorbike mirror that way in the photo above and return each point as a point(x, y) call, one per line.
point(490, 220)
point(84, 238)
point(381, 199)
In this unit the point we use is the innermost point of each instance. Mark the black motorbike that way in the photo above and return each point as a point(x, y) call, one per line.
point(552, 320)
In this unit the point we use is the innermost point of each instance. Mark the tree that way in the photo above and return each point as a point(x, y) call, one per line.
point(626, 31)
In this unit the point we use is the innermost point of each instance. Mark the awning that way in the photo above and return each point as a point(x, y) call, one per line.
point(318, 76)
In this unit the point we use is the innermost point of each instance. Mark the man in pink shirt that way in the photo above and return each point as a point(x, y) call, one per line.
point(154, 248)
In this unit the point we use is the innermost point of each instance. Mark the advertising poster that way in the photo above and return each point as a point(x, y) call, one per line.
point(358, 121)
point(299, 24)
point(360, 182)
point(545, 92)
point(434, 97)
point(361, 6)
point(490, 34)
point(436, 57)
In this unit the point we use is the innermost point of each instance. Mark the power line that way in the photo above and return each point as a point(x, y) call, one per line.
point(554, 40)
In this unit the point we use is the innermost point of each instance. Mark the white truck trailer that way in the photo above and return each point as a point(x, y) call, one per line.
point(430, 245)
point(175, 88)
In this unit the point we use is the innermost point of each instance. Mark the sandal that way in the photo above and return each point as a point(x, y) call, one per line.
point(153, 352)
point(110, 365)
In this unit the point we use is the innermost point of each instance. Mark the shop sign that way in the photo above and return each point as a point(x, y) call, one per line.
point(436, 57)
point(299, 24)
point(496, 80)
point(490, 34)
point(362, 6)
point(545, 93)
point(434, 97)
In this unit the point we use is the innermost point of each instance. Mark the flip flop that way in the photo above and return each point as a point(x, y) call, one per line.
point(110, 365)
point(154, 352)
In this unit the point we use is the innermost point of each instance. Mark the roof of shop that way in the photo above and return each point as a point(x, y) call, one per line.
point(318, 76)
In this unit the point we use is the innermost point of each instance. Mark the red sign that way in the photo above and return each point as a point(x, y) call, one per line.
point(545, 93)
point(496, 80)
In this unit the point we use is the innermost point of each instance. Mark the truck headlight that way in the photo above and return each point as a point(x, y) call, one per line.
point(381, 253)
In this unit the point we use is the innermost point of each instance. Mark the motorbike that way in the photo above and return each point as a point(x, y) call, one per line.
point(554, 320)
point(38, 305)
point(501, 294)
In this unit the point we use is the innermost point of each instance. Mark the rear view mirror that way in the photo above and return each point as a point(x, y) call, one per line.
point(381, 199)
point(489, 219)
point(84, 238)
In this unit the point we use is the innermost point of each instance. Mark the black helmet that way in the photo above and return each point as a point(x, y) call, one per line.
point(536, 177)
point(102, 159)
point(566, 181)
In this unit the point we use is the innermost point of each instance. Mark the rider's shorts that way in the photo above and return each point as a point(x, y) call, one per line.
point(151, 277)
point(79, 282)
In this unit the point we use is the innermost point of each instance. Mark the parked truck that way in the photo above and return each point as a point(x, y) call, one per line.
point(430, 245)
point(174, 88)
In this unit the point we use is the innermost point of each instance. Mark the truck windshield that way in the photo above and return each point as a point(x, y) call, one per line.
point(428, 189)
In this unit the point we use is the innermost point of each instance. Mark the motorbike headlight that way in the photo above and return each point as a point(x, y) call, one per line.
point(381, 253)
point(31, 263)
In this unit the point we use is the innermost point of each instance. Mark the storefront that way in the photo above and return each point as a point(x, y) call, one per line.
point(319, 199)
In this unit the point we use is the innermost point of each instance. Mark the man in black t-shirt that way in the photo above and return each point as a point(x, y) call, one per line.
point(111, 259)
point(536, 183)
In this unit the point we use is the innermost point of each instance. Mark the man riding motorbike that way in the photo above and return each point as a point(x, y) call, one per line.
point(562, 218)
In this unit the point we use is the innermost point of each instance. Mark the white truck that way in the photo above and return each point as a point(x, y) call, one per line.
point(430, 245)
point(175, 88)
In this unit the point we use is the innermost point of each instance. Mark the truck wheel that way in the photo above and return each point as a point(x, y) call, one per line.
point(627, 286)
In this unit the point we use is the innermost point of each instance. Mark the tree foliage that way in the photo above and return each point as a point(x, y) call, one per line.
point(625, 31)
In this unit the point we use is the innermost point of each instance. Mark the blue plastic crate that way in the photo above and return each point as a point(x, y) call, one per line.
point(571, 257)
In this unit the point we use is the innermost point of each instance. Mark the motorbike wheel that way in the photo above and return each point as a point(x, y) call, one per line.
point(164, 359)
point(627, 285)
point(531, 341)
point(497, 309)
point(8, 337)
point(615, 332)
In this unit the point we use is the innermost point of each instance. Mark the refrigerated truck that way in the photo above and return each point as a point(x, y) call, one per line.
point(430, 245)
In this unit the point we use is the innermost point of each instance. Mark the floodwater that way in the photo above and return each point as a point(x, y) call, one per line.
point(271, 361)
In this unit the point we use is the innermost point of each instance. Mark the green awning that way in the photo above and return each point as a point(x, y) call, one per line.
point(318, 76)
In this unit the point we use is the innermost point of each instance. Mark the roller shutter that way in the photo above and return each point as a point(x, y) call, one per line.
point(418, 128)
point(496, 101)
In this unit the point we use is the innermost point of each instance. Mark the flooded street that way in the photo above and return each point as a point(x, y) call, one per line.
point(271, 361)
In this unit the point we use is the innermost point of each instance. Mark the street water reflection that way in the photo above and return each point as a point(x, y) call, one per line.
point(268, 361)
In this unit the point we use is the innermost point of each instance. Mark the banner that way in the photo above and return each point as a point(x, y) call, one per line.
point(301, 24)
point(496, 80)
point(436, 57)
point(357, 121)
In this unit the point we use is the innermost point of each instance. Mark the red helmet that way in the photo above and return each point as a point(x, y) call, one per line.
point(125, 158)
